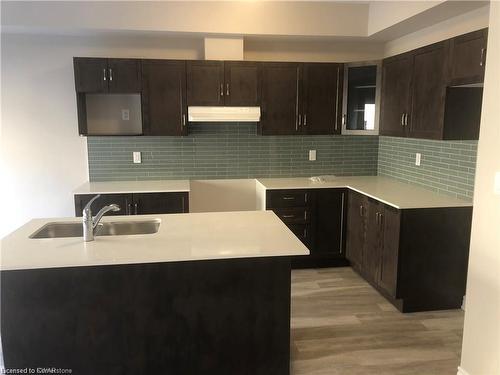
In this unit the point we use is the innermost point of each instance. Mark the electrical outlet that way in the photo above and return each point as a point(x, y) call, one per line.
point(125, 114)
point(418, 157)
point(312, 155)
point(137, 157)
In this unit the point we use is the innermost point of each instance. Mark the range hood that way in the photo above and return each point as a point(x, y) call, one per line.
point(224, 114)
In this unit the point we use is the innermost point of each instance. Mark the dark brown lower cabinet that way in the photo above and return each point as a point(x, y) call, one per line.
point(137, 203)
point(316, 217)
point(416, 258)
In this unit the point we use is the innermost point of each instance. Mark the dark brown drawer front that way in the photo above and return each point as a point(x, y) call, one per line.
point(302, 231)
point(289, 198)
point(293, 215)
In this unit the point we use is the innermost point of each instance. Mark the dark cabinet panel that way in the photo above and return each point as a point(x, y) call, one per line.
point(321, 99)
point(329, 221)
point(122, 200)
point(373, 241)
point(390, 220)
point(160, 203)
point(293, 215)
point(468, 57)
point(124, 75)
point(164, 97)
point(280, 98)
point(137, 203)
point(428, 92)
point(395, 101)
point(288, 198)
point(356, 228)
point(303, 233)
point(205, 81)
point(242, 83)
point(91, 75)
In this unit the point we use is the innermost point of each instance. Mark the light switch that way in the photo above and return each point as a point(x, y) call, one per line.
point(125, 114)
point(312, 155)
point(137, 157)
point(418, 157)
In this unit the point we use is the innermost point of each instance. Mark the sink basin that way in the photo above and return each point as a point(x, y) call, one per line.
point(113, 228)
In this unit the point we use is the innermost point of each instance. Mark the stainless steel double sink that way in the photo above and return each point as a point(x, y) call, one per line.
point(112, 228)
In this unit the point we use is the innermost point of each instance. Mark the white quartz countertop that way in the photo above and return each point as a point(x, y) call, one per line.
point(153, 186)
point(387, 190)
point(181, 237)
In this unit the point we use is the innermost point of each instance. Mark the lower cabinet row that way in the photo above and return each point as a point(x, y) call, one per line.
point(416, 258)
point(317, 217)
point(136, 203)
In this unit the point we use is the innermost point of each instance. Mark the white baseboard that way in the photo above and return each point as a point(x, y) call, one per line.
point(461, 371)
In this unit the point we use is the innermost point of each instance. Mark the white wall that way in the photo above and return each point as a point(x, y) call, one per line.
point(481, 343)
point(474, 20)
point(42, 157)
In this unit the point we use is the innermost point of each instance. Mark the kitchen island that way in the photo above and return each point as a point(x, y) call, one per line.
point(209, 293)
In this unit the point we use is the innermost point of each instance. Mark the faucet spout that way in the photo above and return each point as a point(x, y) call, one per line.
point(90, 223)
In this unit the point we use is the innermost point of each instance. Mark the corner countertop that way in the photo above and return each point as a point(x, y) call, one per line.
point(386, 190)
point(181, 237)
point(150, 186)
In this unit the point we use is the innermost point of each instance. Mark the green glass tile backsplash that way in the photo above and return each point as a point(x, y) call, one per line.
point(229, 150)
point(446, 166)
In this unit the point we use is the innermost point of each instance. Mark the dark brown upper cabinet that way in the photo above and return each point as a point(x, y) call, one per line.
point(321, 103)
point(164, 97)
point(280, 98)
point(301, 98)
point(205, 83)
point(395, 98)
point(468, 58)
point(101, 75)
point(241, 83)
point(420, 97)
point(217, 83)
point(428, 93)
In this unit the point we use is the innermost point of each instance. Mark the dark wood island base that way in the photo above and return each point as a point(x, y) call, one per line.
point(229, 316)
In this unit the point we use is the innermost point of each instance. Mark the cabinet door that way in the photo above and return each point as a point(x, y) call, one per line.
point(395, 99)
point(242, 83)
point(164, 97)
point(280, 98)
point(373, 241)
point(122, 200)
point(356, 228)
point(321, 98)
point(390, 222)
point(205, 81)
point(91, 75)
point(160, 203)
point(124, 75)
point(428, 92)
point(329, 221)
point(468, 57)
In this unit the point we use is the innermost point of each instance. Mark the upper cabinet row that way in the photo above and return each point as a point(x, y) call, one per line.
point(429, 92)
point(295, 98)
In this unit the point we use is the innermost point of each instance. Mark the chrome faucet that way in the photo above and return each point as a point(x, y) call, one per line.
point(90, 223)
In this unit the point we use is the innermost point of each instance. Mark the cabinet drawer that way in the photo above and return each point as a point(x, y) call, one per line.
point(302, 231)
point(287, 198)
point(293, 215)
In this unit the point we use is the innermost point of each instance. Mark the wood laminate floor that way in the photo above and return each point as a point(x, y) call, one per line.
point(341, 325)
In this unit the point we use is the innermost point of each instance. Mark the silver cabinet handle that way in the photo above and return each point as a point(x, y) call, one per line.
point(110, 74)
point(227, 89)
point(380, 217)
point(376, 218)
point(135, 208)
point(300, 120)
point(403, 119)
point(406, 119)
point(361, 210)
point(183, 120)
point(288, 198)
point(344, 118)
point(104, 74)
point(337, 99)
point(305, 215)
point(287, 216)
point(483, 50)
point(305, 232)
point(305, 197)
point(305, 120)
point(221, 89)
